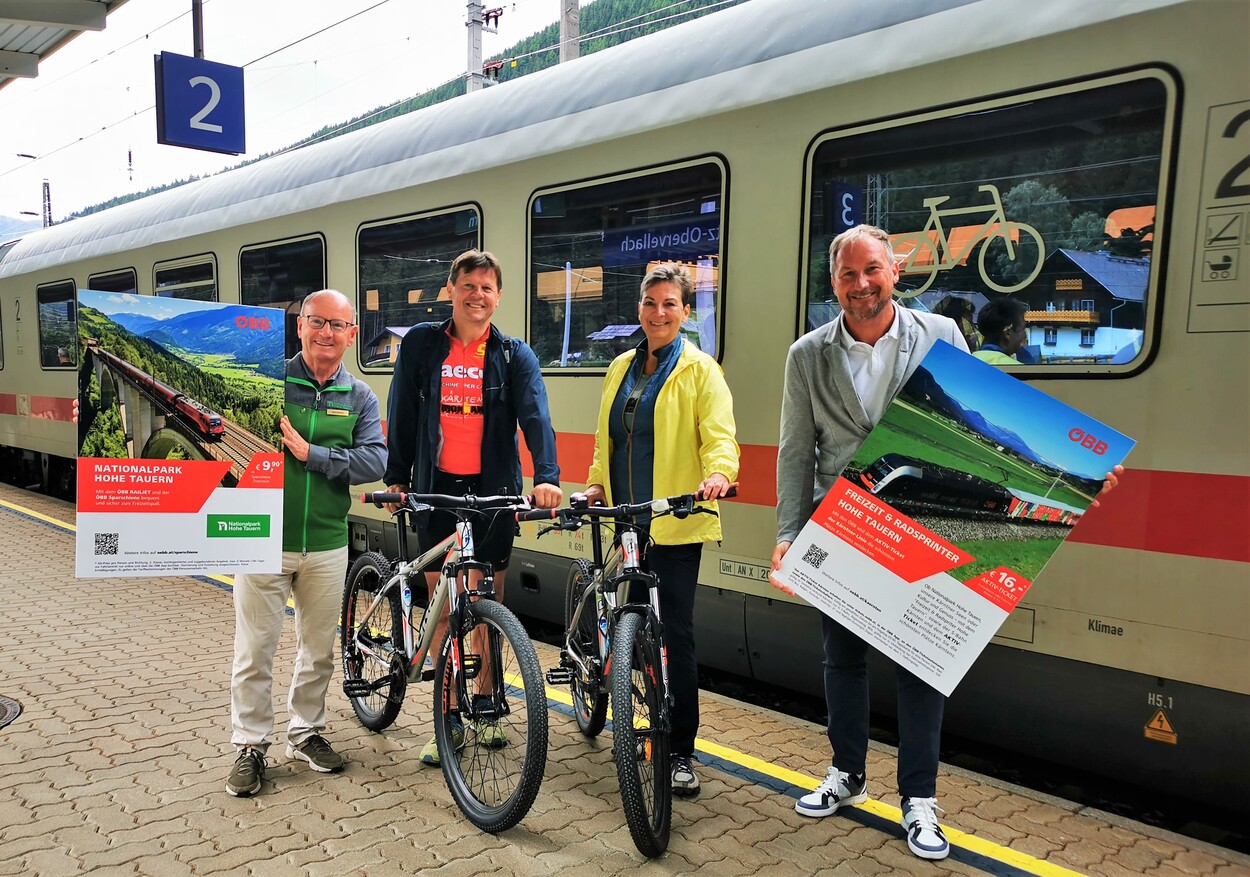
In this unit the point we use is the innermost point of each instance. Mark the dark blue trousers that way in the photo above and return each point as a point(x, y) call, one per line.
point(678, 569)
point(920, 709)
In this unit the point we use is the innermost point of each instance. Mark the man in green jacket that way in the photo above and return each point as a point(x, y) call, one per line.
point(332, 438)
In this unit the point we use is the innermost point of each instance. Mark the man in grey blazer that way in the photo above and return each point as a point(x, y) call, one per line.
point(839, 380)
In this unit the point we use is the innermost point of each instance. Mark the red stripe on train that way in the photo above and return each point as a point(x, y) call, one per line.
point(52, 408)
point(1190, 513)
point(8, 403)
point(1187, 513)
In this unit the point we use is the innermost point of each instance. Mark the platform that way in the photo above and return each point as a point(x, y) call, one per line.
point(118, 759)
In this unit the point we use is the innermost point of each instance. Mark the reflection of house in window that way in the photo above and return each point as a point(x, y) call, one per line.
point(384, 347)
point(1089, 305)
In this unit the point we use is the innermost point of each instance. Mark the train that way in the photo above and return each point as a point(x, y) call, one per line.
point(911, 484)
point(907, 482)
point(1076, 155)
point(201, 418)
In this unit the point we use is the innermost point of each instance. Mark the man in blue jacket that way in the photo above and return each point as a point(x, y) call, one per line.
point(460, 389)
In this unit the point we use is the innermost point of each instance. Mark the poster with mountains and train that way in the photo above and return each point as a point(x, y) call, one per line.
point(948, 512)
point(180, 460)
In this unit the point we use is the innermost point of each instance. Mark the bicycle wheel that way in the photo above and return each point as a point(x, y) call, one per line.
point(493, 751)
point(1018, 270)
point(590, 698)
point(919, 266)
point(640, 741)
point(373, 676)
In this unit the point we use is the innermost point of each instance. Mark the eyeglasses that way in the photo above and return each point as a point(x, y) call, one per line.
point(338, 327)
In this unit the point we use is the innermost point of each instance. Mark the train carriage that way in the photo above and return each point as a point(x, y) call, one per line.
point(1080, 156)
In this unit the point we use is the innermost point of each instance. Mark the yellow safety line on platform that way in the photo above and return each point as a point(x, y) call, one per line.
point(970, 842)
point(986, 848)
point(34, 514)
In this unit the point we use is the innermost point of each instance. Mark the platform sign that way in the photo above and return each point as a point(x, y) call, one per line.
point(947, 513)
point(180, 463)
point(199, 104)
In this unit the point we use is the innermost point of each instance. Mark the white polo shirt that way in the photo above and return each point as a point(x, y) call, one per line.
point(872, 366)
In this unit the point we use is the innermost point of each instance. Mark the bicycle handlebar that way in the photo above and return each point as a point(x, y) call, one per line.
point(681, 505)
point(444, 501)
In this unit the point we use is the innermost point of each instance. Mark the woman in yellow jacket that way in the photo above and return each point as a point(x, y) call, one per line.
point(666, 427)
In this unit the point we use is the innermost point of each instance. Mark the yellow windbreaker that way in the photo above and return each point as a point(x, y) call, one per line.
point(694, 438)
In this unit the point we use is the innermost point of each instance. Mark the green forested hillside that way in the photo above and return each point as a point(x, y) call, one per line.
point(617, 20)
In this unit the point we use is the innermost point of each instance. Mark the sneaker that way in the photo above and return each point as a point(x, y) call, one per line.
point(429, 754)
point(924, 835)
point(840, 789)
point(317, 752)
point(489, 732)
point(685, 781)
point(248, 771)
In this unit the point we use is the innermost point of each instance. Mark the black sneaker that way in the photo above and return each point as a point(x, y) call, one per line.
point(317, 752)
point(685, 781)
point(248, 771)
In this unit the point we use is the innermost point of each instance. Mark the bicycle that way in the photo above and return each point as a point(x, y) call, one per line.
point(614, 643)
point(490, 706)
point(925, 255)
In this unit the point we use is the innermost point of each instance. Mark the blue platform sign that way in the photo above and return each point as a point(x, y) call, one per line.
point(199, 104)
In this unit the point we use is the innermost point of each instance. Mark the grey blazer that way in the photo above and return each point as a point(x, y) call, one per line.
point(822, 421)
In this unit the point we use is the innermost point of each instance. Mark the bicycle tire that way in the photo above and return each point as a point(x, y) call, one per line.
point(640, 737)
point(493, 783)
point(590, 696)
point(930, 271)
point(379, 709)
point(1024, 230)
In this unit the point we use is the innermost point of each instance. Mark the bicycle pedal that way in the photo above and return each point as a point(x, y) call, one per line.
point(427, 674)
point(357, 687)
point(559, 676)
point(470, 665)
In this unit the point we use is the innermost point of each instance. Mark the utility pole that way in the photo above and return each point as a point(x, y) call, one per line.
point(570, 30)
point(479, 20)
point(47, 204)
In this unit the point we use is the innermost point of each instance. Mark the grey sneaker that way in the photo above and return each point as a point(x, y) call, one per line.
point(685, 781)
point(317, 752)
point(248, 771)
point(840, 789)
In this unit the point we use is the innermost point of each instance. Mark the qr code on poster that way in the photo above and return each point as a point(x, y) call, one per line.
point(815, 556)
point(105, 543)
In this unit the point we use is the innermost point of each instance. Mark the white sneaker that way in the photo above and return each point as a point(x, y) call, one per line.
point(924, 835)
point(838, 790)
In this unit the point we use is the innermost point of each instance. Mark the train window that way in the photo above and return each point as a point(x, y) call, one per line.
point(403, 267)
point(1050, 198)
point(279, 275)
point(592, 244)
point(58, 324)
point(187, 278)
point(115, 281)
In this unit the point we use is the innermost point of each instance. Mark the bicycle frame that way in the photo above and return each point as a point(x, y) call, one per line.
point(458, 551)
point(610, 583)
point(997, 218)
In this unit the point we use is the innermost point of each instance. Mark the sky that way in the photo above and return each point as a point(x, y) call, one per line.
point(1042, 421)
point(88, 116)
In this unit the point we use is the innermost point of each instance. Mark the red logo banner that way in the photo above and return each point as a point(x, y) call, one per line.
point(907, 549)
point(167, 486)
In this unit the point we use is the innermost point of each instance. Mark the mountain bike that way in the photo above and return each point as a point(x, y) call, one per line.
point(614, 643)
point(490, 706)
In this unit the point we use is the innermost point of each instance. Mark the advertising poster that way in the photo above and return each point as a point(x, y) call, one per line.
point(948, 512)
point(180, 462)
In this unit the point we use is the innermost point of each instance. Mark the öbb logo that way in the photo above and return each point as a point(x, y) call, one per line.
point(1087, 441)
point(252, 322)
